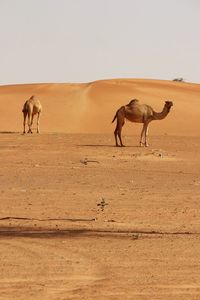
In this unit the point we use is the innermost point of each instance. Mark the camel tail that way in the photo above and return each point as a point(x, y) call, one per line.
point(117, 113)
point(24, 109)
point(115, 117)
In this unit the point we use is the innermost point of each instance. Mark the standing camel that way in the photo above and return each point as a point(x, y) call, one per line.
point(32, 107)
point(139, 113)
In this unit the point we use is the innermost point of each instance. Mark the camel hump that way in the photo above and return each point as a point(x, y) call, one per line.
point(133, 102)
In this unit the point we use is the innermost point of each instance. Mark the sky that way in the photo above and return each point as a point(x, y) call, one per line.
point(79, 41)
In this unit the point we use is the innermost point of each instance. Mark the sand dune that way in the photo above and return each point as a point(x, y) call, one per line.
point(89, 107)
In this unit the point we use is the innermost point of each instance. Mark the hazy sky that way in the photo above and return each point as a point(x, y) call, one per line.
point(87, 40)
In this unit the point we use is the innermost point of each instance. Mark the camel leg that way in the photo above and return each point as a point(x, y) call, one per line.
point(141, 136)
point(117, 133)
point(32, 116)
point(118, 129)
point(38, 119)
point(25, 114)
point(30, 121)
point(146, 135)
point(120, 125)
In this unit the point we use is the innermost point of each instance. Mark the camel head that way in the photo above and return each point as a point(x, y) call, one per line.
point(168, 105)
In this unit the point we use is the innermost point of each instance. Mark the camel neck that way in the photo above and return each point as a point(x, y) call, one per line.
point(161, 115)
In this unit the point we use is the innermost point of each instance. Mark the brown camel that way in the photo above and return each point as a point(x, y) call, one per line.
point(139, 113)
point(31, 107)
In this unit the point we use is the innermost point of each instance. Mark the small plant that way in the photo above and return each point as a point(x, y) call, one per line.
point(102, 204)
point(135, 236)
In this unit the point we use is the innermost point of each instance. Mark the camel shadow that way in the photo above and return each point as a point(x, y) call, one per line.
point(95, 145)
point(9, 132)
point(107, 146)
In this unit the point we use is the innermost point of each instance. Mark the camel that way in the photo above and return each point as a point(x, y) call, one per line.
point(31, 107)
point(139, 113)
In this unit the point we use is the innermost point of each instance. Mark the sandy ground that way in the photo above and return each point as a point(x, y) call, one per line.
point(58, 243)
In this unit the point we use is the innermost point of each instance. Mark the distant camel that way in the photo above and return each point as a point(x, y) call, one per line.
point(31, 107)
point(139, 113)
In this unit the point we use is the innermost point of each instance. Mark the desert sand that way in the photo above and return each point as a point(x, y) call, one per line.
point(83, 219)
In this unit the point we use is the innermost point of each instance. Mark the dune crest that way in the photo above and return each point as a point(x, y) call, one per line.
point(90, 107)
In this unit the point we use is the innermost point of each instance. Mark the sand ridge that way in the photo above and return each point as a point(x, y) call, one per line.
point(90, 107)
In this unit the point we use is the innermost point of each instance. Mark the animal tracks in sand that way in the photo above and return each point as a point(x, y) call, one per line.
point(150, 155)
point(156, 155)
